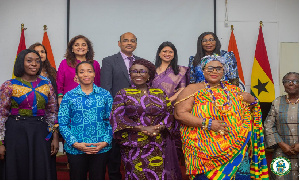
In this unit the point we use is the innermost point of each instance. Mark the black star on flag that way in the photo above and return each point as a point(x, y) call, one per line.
point(261, 86)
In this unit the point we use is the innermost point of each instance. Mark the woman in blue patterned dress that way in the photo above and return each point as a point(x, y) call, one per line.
point(209, 44)
point(27, 107)
point(84, 124)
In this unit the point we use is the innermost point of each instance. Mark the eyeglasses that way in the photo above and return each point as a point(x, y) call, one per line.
point(208, 40)
point(210, 69)
point(296, 82)
point(142, 72)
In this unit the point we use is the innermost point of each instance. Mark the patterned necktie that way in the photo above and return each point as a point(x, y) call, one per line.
point(130, 61)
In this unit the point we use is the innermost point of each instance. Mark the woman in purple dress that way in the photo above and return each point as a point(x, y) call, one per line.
point(169, 77)
point(79, 49)
point(172, 79)
point(142, 122)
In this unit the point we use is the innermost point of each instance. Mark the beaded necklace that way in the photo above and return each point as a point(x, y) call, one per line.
point(213, 98)
point(288, 100)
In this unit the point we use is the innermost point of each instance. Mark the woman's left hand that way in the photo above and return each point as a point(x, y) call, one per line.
point(247, 97)
point(219, 127)
point(295, 147)
point(54, 146)
point(153, 130)
point(99, 146)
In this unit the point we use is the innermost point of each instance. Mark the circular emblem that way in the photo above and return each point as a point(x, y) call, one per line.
point(280, 166)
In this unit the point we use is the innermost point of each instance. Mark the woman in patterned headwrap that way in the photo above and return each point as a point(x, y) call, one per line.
point(218, 128)
point(142, 122)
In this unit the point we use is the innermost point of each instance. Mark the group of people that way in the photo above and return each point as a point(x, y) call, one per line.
point(147, 115)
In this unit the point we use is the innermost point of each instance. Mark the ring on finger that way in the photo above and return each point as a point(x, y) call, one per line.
point(221, 132)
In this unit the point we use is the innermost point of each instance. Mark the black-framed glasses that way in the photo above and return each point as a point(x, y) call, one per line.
point(211, 69)
point(142, 72)
point(208, 40)
point(296, 82)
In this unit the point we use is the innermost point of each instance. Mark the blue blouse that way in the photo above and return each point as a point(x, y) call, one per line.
point(85, 118)
point(196, 73)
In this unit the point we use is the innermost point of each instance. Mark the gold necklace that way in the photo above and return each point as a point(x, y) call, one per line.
point(289, 102)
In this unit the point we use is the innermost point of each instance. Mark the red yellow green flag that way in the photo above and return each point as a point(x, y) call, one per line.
point(262, 84)
point(47, 45)
point(232, 46)
point(21, 47)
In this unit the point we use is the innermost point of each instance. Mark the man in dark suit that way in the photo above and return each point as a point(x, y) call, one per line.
point(115, 68)
point(114, 77)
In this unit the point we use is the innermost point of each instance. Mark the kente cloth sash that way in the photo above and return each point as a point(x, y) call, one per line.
point(207, 151)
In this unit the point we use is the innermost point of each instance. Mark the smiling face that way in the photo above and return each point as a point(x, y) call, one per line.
point(289, 86)
point(213, 72)
point(80, 47)
point(127, 43)
point(209, 44)
point(41, 51)
point(32, 63)
point(139, 75)
point(166, 54)
point(85, 74)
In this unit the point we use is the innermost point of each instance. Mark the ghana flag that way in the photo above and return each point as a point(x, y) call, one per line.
point(21, 46)
point(262, 85)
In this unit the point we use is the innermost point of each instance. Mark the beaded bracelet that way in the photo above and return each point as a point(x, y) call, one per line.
point(255, 102)
point(1, 142)
point(209, 125)
point(204, 123)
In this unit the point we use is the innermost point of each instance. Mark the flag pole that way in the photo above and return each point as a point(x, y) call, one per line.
point(45, 28)
point(232, 28)
point(261, 23)
point(22, 27)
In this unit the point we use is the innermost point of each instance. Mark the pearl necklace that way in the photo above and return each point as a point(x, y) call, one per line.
point(288, 100)
point(213, 98)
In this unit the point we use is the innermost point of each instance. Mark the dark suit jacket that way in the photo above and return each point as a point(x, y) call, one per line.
point(114, 73)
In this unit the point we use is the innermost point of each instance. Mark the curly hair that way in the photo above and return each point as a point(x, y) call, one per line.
point(174, 61)
point(70, 56)
point(19, 70)
point(150, 66)
point(46, 64)
point(201, 52)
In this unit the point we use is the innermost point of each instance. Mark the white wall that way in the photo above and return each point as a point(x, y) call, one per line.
point(153, 22)
point(34, 14)
point(281, 24)
point(280, 18)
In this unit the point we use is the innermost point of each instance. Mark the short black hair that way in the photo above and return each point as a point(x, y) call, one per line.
point(290, 73)
point(76, 69)
point(174, 61)
point(19, 70)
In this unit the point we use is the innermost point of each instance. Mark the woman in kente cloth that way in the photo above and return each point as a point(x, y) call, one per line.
point(218, 128)
point(28, 107)
point(143, 123)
